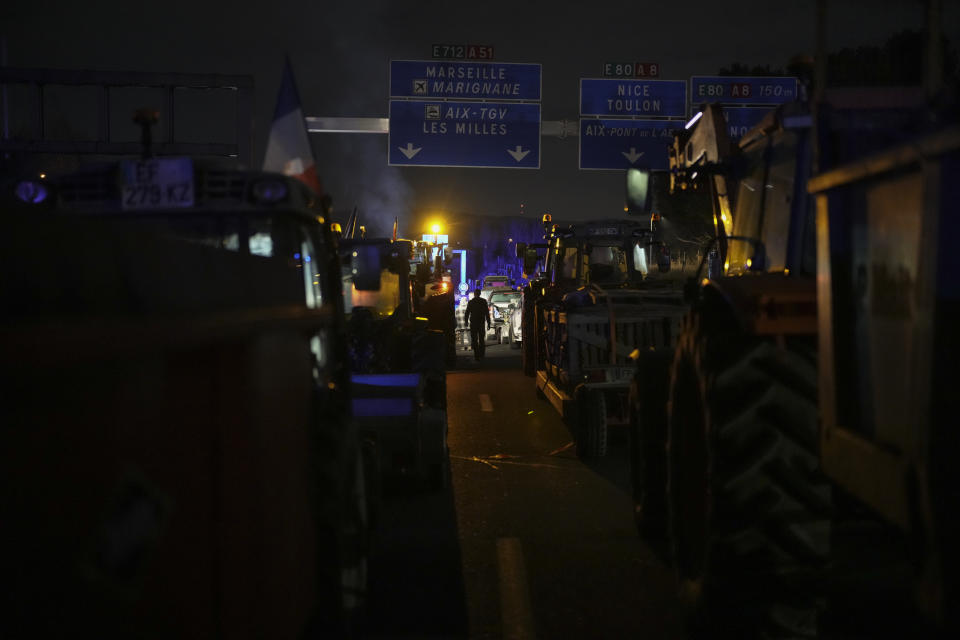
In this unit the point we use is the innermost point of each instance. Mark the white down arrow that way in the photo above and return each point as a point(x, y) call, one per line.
point(518, 154)
point(409, 151)
point(633, 156)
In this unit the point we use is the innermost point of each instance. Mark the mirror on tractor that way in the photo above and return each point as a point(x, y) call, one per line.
point(639, 187)
point(529, 260)
point(521, 249)
point(365, 267)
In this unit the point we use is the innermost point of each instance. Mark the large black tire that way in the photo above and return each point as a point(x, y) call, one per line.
point(434, 451)
point(647, 447)
point(343, 537)
point(373, 480)
point(749, 511)
point(528, 346)
point(527, 359)
point(592, 427)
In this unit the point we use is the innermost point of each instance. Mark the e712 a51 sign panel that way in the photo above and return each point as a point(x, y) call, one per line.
point(742, 89)
point(464, 134)
point(456, 80)
point(625, 97)
point(620, 144)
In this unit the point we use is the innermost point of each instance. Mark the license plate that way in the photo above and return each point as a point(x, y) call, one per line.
point(157, 183)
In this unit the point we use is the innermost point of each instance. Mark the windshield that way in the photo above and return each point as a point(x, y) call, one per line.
point(504, 299)
point(382, 303)
point(285, 241)
point(605, 264)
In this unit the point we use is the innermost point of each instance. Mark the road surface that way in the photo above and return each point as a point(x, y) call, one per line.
point(527, 541)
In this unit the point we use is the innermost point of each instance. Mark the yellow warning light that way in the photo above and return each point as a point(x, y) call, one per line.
point(42, 176)
point(626, 208)
point(749, 262)
point(726, 265)
point(786, 272)
point(705, 281)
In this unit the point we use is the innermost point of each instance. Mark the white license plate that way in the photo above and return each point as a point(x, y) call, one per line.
point(157, 183)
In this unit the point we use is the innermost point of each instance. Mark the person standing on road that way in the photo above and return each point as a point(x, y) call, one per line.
point(476, 315)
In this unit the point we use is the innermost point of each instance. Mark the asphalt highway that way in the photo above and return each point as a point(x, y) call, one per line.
point(527, 541)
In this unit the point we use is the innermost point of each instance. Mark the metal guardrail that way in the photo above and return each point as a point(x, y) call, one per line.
point(321, 124)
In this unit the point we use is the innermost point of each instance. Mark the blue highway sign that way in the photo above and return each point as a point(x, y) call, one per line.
point(426, 79)
point(742, 119)
point(464, 134)
point(742, 89)
point(621, 144)
point(625, 97)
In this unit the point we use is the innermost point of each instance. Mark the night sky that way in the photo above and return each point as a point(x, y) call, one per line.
point(341, 52)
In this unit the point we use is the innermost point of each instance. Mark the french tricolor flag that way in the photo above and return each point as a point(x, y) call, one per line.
point(288, 147)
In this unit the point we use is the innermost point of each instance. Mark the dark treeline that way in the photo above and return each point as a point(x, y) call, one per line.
point(898, 61)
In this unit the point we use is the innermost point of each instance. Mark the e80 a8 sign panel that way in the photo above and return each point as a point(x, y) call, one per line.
point(742, 89)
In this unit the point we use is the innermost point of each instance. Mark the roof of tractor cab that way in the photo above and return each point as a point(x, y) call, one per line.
point(98, 189)
point(607, 229)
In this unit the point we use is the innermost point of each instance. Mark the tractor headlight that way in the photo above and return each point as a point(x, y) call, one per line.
point(269, 191)
point(31, 191)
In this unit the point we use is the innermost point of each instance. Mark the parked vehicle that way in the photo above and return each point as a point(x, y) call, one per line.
point(499, 305)
point(398, 364)
point(507, 309)
point(177, 409)
point(729, 457)
point(594, 304)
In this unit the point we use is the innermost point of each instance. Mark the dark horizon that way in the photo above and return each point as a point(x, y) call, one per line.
point(341, 53)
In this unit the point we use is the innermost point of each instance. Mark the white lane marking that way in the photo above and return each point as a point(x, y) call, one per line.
point(485, 403)
point(516, 615)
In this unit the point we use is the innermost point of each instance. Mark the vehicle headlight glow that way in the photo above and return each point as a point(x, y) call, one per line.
point(31, 191)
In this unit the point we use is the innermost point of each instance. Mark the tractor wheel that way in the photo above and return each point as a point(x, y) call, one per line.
point(436, 455)
point(343, 537)
point(647, 447)
point(373, 480)
point(749, 511)
point(592, 430)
